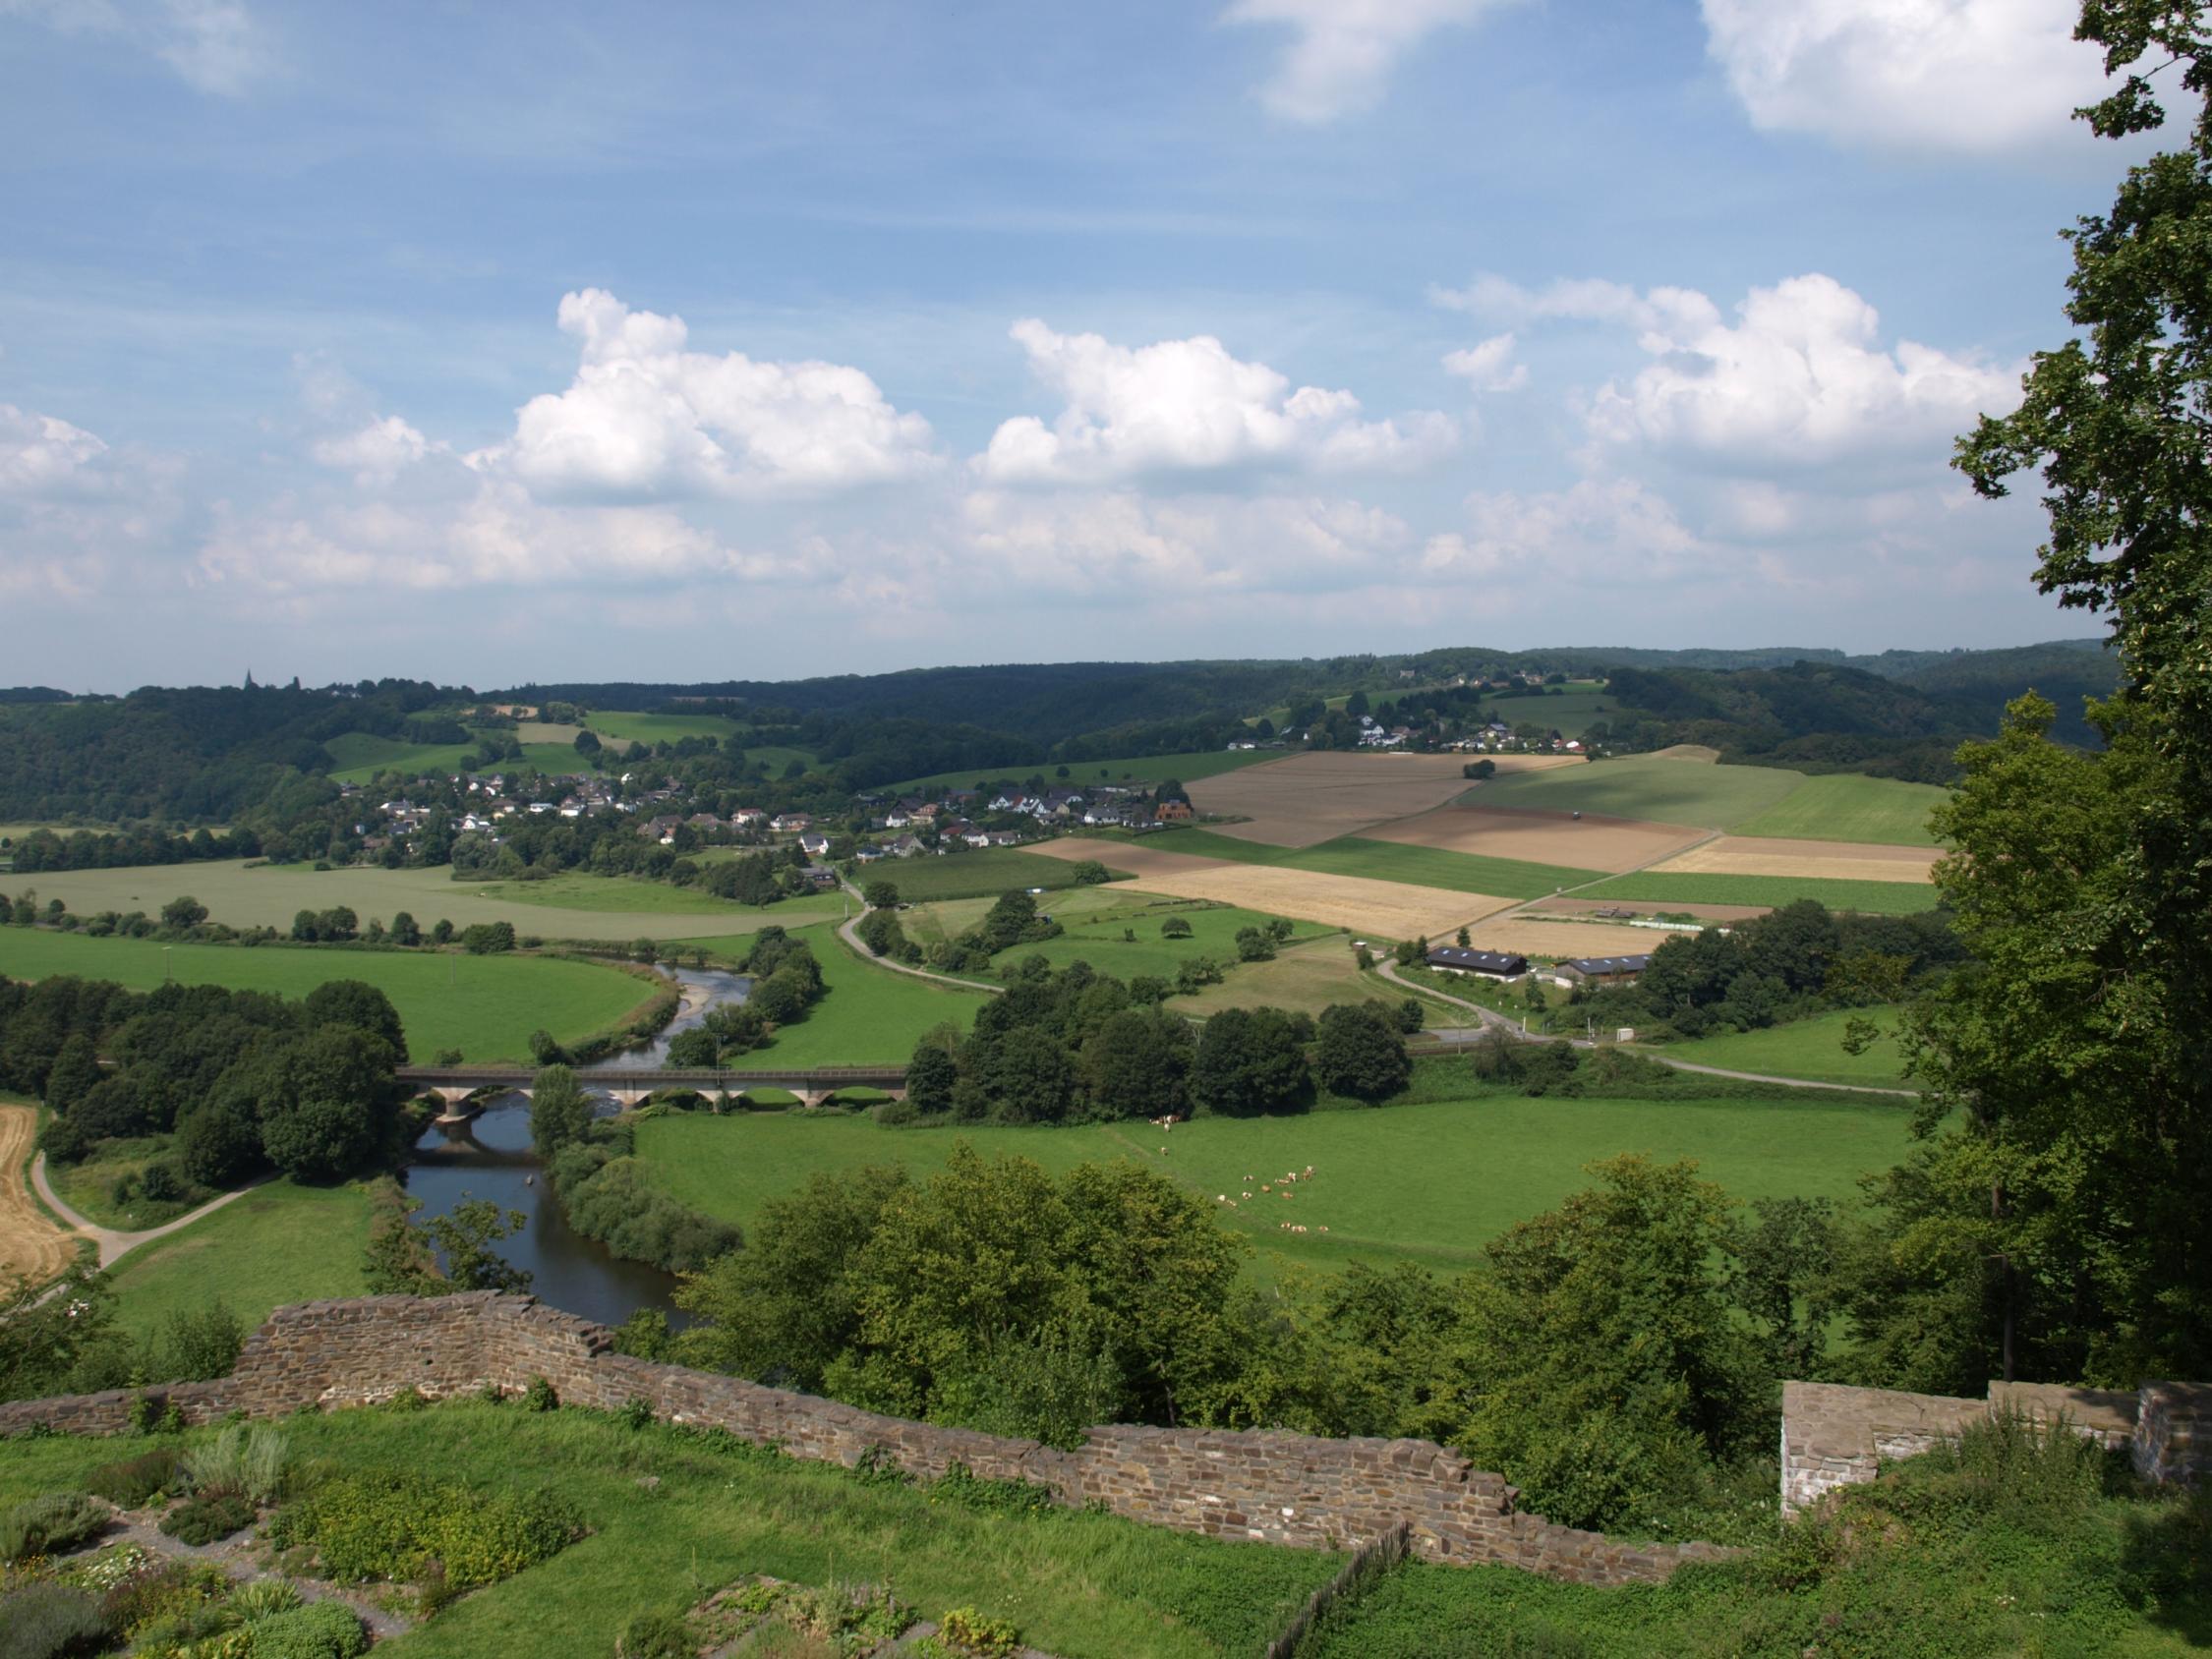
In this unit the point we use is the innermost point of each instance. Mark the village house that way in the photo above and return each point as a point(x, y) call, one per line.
point(789, 823)
point(1173, 812)
point(814, 845)
point(1603, 970)
point(1458, 959)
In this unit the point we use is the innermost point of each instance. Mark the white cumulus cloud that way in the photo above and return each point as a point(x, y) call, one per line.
point(376, 453)
point(1342, 51)
point(1489, 366)
point(1187, 405)
point(646, 417)
point(1802, 376)
point(43, 455)
point(1970, 76)
point(1613, 529)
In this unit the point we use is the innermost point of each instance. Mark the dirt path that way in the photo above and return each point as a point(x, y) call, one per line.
point(849, 932)
point(114, 1245)
point(32, 1247)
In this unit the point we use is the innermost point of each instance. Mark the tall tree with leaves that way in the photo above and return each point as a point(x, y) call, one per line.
point(2079, 1050)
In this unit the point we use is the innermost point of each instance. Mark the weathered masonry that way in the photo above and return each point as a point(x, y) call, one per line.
point(1835, 1436)
point(1278, 1488)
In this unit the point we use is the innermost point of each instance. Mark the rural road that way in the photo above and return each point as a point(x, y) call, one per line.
point(1491, 1018)
point(114, 1245)
point(32, 1247)
point(849, 932)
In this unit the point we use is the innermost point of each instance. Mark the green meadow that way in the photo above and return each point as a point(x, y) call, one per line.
point(246, 894)
point(1074, 774)
point(777, 756)
point(671, 1517)
point(982, 873)
point(281, 1243)
point(615, 725)
point(1668, 789)
point(1097, 938)
point(358, 756)
point(1383, 861)
point(870, 1015)
point(1883, 898)
point(1846, 807)
point(485, 1007)
point(1805, 1048)
point(1427, 1183)
point(623, 894)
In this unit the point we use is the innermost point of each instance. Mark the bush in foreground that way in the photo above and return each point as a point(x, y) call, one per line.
point(51, 1526)
point(389, 1526)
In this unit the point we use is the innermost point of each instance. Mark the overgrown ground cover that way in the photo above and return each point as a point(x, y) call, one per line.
point(281, 1243)
point(672, 1515)
point(1848, 807)
point(1938, 1556)
point(1886, 898)
point(1805, 1048)
point(1385, 860)
point(1141, 769)
point(250, 894)
point(975, 874)
point(485, 1007)
point(1427, 1183)
point(1671, 792)
point(870, 1015)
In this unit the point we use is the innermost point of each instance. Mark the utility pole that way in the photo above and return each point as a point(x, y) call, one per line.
point(166, 964)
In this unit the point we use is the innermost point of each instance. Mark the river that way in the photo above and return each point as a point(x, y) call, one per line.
point(490, 1157)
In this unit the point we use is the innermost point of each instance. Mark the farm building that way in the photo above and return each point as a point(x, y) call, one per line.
point(1604, 971)
point(1503, 965)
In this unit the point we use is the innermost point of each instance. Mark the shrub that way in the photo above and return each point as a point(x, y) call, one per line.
point(51, 1526)
point(131, 1481)
point(540, 1395)
point(239, 1463)
point(154, 1590)
point(205, 1520)
point(322, 1629)
point(968, 1631)
point(49, 1620)
point(654, 1635)
point(636, 1411)
point(264, 1598)
point(389, 1526)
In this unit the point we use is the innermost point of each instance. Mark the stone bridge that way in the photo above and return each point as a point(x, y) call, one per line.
point(456, 1085)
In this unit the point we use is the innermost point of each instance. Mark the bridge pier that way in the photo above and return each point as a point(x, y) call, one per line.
point(456, 1099)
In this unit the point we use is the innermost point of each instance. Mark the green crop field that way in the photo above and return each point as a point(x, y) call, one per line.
point(975, 874)
point(1671, 792)
point(1884, 899)
point(1848, 807)
point(244, 895)
point(776, 758)
point(1427, 1183)
point(358, 756)
point(487, 1007)
point(671, 1518)
point(1383, 861)
point(1805, 1048)
point(1571, 713)
point(1097, 938)
point(615, 725)
point(870, 1015)
point(281, 1243)
point(625, 894)
point(1074, 774)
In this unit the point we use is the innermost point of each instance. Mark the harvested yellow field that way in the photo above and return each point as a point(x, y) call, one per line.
point(32, 1247)
point(1588, 842)
point(1552, 941)
point(1842, 861)
point(1386, 911)
point(1649, 908)
point(1302, 800)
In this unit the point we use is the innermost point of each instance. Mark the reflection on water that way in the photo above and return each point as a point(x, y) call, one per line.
point(490, 1157)
point(704, 991)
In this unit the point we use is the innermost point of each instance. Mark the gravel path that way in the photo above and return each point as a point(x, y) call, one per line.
point(114, 1245)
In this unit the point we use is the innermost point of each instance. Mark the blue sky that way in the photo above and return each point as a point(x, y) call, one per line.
point(488, 342)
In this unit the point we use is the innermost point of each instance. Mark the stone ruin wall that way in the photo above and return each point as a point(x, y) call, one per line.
point(1835, 1436)
point(1264, 1486)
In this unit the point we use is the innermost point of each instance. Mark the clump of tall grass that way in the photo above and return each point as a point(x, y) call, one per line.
point(2023, 1467)
point(241, 1462)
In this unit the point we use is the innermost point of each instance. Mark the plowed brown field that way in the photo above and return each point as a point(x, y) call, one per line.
point(30, 1246)
point(1762, 855)
point(1302, 800)
point(1590, 842)
point(1388, 910)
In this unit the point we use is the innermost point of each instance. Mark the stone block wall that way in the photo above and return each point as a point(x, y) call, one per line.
point(2173, 1438)
point(1271, 1487)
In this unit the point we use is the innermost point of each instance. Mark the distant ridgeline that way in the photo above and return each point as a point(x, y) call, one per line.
point(258, 757)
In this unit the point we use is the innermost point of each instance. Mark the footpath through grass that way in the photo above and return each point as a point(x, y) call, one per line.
point(1383, 861)
point(1805, 1048)
point(1883, 898)
point(485, 1007)
point(672, 1516)
point(281, 1243)
point(1428, 1184)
